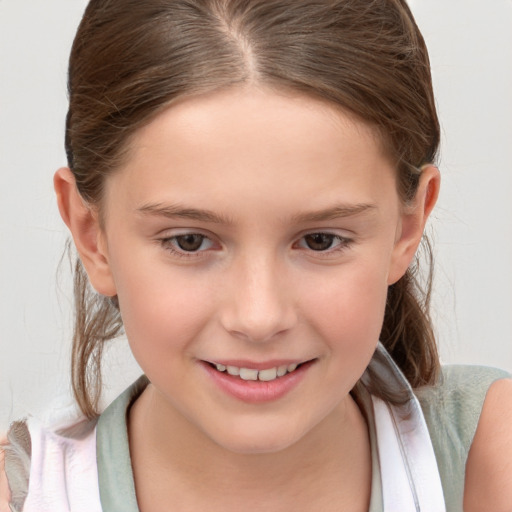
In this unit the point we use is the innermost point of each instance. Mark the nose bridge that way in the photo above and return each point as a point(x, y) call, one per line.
point(259, 304)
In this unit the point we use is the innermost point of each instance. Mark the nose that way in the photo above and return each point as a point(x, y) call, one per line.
point(259, 303)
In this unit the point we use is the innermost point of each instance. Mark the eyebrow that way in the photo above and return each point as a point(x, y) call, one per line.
point(176, 211)
point(335, 212)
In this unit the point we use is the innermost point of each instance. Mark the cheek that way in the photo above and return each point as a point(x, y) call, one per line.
point(161, 309)
point(348, 308)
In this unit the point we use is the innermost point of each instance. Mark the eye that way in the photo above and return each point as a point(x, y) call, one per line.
point(319, 241)
point(187, 243)
point(323, 242)
point(190, 242)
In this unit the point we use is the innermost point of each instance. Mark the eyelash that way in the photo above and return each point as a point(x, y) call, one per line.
point(169, 244)
point(343, 243)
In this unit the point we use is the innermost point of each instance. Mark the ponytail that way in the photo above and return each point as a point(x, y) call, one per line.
point(97, 320)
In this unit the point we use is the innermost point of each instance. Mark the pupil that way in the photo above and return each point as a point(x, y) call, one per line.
point(319, 241)
point(189, 242)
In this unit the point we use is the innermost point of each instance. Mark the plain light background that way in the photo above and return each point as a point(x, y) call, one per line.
point(470, 45)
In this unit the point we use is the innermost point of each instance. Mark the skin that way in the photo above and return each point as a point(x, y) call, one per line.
point(5, 493)
point(261, 161)
point(489, 464)
point(272, 168)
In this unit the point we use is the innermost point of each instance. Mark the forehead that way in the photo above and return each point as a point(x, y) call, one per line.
point(252, 143)
point(255, 107)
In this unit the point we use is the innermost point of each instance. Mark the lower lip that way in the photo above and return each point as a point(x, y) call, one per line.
point(256, 391)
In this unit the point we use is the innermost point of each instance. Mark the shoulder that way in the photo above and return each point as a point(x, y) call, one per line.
point(5, 493)
point(453, 406)
point(453, 409)
point(15, 449)
point(489, 464)
point(33, 451)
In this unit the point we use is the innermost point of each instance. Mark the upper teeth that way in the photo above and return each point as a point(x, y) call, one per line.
point(264, 375)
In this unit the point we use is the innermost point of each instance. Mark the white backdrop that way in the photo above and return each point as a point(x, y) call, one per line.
point(470, 44)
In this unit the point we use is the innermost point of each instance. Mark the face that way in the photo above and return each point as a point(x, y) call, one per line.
point(252, 232)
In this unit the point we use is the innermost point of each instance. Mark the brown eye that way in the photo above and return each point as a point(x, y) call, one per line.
point(319, 241)
point(189, 243)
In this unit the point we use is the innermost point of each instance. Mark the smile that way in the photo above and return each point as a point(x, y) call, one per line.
point(265, 375)
point(265, 383)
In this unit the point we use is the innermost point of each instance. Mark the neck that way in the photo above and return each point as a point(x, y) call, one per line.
point(165, 447)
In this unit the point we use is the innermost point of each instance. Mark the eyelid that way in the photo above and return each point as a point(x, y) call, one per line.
point(343, 234)
point(181, 231)
point(167, 236)
point(344, 243)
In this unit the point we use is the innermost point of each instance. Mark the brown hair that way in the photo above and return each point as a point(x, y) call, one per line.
point(132, 58)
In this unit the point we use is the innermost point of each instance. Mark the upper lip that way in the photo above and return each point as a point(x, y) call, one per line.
point(255, 365)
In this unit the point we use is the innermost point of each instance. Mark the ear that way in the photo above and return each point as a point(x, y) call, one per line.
point(83, 222)
point(413, 220)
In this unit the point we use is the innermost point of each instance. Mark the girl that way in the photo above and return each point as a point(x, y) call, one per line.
point(247, 187)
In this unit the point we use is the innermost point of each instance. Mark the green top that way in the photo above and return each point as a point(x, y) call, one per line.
point(451, 409)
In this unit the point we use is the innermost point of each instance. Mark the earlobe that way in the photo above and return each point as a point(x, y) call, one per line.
point(82, 220)
point(413, 221)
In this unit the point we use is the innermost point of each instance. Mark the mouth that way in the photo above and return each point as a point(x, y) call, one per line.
point(255, 383)
point(252, 374)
